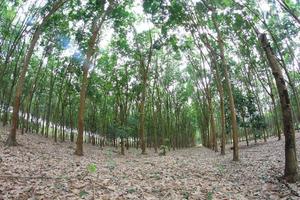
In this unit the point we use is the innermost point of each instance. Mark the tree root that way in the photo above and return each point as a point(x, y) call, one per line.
point(10, 142)
point(284, 181)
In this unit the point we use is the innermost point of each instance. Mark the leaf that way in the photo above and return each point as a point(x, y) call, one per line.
point(83, 193)
point(92, 168)
point(239, 21)
point(227, 2)
point(209, 196)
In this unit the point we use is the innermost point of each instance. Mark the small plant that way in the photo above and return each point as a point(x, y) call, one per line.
point(209, 195)
point(92, 168)
point(163, 150)
point(111, 165)
point(167, 143)
point(185, 195)
point(83, 193)
point(221, 169)
point(131, 190)
point(156, 176)
point(108, 152)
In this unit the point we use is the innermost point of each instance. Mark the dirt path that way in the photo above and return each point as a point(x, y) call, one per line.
point(41, 169)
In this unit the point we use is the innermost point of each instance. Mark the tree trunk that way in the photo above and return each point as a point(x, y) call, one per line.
point(221, 93)
point(229, 93)
point(142, 118)
point(276, 118)
point(122, 146)
point(15, 74)
point(217, 78)
point(213, 138)
point(11, 140)
point(272, 96)
point(71, 120)
point(79, 141)
point(291, 164)
point(90, 52)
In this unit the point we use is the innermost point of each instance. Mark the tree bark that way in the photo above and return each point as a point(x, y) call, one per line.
point(144, 70)
point(90, 52)
point(11, 140)
point(142, 115)
point(291, 164)
point(229, 93)
point(218, 80)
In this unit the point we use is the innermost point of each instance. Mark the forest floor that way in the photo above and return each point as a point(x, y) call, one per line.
point(42, 169)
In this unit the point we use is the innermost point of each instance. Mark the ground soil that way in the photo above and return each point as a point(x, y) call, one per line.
point(42, 169)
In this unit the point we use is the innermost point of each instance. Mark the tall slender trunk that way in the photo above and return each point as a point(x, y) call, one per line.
point(71, 119)
point(221, 95)
point(142, 116)
point(31, 94)
point(212, 122)
point(276, 118)
point(291, 163)
point(15, 74)
point(217, 78)
point(43, 124)
point(155, 127)
point(49, 104)
point(159, 117)
point(79, 141)
point(11, 140)
point(86, 65)
point(62, 124)
point(37, 108)
point(229, 93)
point(144, 65)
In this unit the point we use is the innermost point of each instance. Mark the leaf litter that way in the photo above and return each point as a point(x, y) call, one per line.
point(42, 169)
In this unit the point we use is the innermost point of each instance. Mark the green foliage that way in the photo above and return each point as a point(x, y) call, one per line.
point(221, 169)
point(177, 12)
point(167, 143)
point(247, 112)
point(174, 42)
point(185, 195)
point(111, 165)
point(9, 13)
point(152, 6)
point(119, 131)
point(163, 150)
point(92, 168)
point(83, 193)
point(131, 190)
point(122, 17)
point(228, 3)
point(209, 196)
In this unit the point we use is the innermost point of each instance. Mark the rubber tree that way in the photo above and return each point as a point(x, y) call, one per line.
point(11, 140)
point(97, 23)
point(144, 60)
point(229, 90)
point(291, 164)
